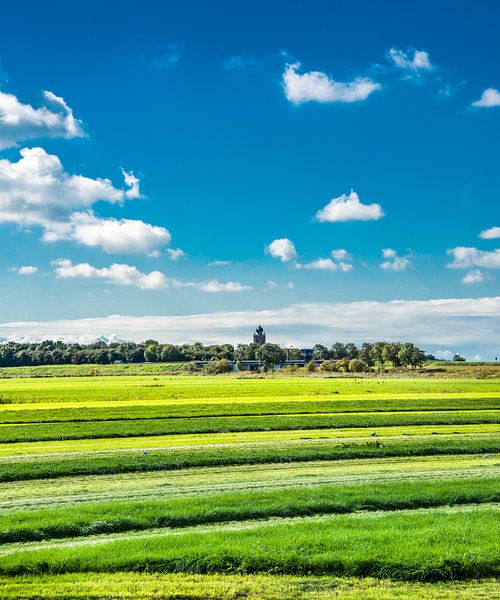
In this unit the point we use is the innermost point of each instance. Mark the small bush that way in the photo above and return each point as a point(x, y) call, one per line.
point(217, 367)
point(356, 366)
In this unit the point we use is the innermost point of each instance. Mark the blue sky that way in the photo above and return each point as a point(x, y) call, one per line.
point(236, 125)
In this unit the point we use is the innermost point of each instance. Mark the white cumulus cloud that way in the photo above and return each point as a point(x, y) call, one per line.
point(490, 97)
point(25, 270)
point(465, 258)
point(118, 274)
point(319, 87)
point(123, 274)
point(394, 262)
point(114, 236)
point(20, 122)
point(36, 190)
point(492, 233)
point(349, 208)
point(413, 60)
point(176, 253)
point(338, 262)
point(214, 286)
point(475, 276)
point(282, 248)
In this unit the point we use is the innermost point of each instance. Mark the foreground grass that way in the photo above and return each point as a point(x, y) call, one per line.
point(94, 463)
point(155, 427)
point(107, 517)
point(430, 545)
point(146, 586)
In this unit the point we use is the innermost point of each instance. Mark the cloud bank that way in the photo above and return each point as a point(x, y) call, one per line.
point(468, 325)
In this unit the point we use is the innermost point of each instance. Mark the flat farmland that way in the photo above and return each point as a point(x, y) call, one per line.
point(175, 486)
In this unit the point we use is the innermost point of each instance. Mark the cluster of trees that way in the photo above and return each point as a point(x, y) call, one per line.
point(54, 353)
point(59, 353)
point(371, 355)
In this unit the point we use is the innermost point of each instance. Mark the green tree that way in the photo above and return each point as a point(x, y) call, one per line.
point(337, 351)
point(270, 354)
point(151, 353)
point(320, 352)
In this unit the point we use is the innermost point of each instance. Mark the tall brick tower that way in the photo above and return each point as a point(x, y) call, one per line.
point(259, 337)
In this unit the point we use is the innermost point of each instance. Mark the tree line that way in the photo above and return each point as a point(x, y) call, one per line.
point(337, 357)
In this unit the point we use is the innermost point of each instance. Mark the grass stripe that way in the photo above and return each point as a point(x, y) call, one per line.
point(94, 518)
point(176, 458)
point(431, 545)
point(155, 427)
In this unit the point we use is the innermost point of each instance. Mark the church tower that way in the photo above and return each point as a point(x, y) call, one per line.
point(259, 337)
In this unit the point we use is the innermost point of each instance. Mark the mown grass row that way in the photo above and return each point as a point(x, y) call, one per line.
point(37, 467)
point(430, 545)
point(112, 410)
point(57, 492)
point(153, 427)
point(177, 586)
point(78, 389)
point(72, 520)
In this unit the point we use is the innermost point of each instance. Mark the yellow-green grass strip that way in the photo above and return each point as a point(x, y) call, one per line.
point(173, 586)
point(54, 390)
point(236, 438)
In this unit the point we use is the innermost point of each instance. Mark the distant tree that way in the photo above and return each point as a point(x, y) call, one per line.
point(351, 351)
point(245, 351)
point(270, 354)
point(365, 354)
point(411, 356)
point(338, 351)
point(293, 354)
point(458, 358)
point(151, 353)
point(390, 353)
point(320, 352)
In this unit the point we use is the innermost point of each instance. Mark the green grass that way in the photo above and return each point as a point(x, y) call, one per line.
point(93, 518)
point(430, 545)
point(148, 586)
point(187, 425)
point(205, 481)
point(43, 466)
point(255, 477)
point(93, 369)
point(114, 410)
point(231, 438)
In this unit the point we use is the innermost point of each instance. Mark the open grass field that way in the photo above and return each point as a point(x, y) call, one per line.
point(168, 486)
